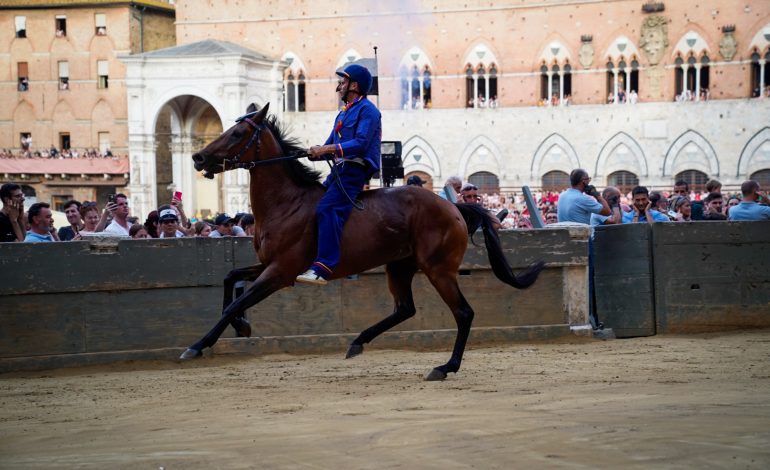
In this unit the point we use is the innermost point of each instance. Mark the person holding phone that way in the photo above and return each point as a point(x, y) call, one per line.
point(118, 206)
point(72, 231)
point(577, 203)
point(752, 205)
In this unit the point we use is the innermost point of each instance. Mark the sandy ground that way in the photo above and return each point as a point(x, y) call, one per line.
point(660, 402)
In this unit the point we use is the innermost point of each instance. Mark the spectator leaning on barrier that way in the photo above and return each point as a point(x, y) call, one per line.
point(247, 224)
point(202, 229)
point(169, 224)
point(225, 227)
point(712, 207)
point(659, 202)
point(577, 203)
point(92, 221)
point(41, 227)
point(682, 209)
point(642, 208)
point(12, 213)
point(137, 231)
point(72, 231)
point(749, 208)
point(733, 201)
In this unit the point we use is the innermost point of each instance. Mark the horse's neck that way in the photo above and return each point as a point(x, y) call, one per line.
point(273, 193)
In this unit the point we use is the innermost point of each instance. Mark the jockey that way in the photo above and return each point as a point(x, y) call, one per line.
point(354, 146)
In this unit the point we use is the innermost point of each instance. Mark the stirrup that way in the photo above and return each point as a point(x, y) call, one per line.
point(310, 277)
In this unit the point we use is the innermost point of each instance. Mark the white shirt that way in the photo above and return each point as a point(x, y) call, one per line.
point(116, 229)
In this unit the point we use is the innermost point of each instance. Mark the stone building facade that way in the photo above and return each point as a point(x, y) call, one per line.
point(506, 94)
point(62, 85)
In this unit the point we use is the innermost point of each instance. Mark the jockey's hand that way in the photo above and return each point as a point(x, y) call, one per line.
point(321, 152)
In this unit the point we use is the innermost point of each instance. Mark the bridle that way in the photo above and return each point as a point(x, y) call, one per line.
point(235, 161)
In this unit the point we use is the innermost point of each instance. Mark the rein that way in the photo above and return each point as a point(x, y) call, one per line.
point(235, 162)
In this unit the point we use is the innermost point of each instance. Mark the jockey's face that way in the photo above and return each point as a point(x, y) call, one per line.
point(344, 86)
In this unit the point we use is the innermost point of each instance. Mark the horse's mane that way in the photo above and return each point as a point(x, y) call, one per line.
point(301, 174)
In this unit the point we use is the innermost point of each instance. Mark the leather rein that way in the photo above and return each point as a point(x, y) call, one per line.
point(235, 162)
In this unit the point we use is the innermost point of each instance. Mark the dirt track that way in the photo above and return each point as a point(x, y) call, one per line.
point(667, 401)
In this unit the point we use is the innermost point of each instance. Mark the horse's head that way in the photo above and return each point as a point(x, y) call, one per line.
point(237, 147)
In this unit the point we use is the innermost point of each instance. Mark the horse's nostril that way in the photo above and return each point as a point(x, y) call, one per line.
point(198, 158)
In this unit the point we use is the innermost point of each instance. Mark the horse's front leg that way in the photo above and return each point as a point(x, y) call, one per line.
point(250, 273)
point(270, 281)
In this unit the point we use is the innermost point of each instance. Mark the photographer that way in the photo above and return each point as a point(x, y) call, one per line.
point(581, 200)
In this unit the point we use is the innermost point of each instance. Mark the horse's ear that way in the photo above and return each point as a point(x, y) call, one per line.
point(262, 113)
point(252, 107)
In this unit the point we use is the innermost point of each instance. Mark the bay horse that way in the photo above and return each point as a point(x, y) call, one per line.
point(405, 228)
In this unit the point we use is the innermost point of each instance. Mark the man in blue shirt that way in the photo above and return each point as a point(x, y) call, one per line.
point(40, 220)
point(581, 200)
point(749, 208)
point(354, 145)
point(642, 209)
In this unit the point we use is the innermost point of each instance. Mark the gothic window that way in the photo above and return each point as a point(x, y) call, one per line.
point(692, 78)
point(486, 182)
point(555, 181)
point(405, 86)
point(625, 181)
point(426, 87)
point(760, 73)
point(555, 84)
point(100, 21)
point(22, 69)
point(694, 178)
point(294, 92)
point(481, 86)
point(544, 82)
point(416, 88)
point(762, 177)
point(622, 81)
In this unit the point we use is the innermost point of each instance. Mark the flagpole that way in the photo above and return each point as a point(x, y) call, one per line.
point(378, 76)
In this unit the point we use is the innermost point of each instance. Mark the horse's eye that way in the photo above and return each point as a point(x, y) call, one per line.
point(234, 137)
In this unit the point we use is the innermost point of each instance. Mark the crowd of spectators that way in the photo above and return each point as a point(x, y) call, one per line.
point(114, 219)
point(687, 95)
point(53, 152)
point(581, 203)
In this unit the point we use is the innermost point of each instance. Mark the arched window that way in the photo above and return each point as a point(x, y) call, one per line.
point(544, 83)
point(555, 83)
point(294, 92)
point(555, 181)
point(762, 177)
point(486, 182)
point(416, 88)
point(694, 178)
point(625, 181)
point(481, 86)
point(622, 81)
point(760, 74)
point(692, 78)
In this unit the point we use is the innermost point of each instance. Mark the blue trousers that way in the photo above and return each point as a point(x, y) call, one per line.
point(332, 213)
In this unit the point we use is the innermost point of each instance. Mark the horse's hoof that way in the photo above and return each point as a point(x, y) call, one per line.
point(243, 328)
point(435, 374)
point(190, 354)
point(354, 350)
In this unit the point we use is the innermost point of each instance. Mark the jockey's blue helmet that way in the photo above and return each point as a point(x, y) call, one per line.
point(359, 74)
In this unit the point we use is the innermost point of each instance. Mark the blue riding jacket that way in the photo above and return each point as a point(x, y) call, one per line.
point(357, 134)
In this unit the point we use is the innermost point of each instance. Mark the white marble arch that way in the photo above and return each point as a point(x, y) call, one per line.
point(481, 154)
point(755, 155)
point(693, 42)
point(621, 152)
point(351, 55)
point(691, 151)
point(419, 155)
point(555, 52)
point(480, 54)
point(553, 153)
point(622, 47)
point(761, 40)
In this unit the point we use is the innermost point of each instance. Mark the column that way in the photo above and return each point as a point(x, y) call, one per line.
point(697, 82)
point(615, 85)
point(561, 88)
point(486, 88)
point(762, 63)
point(684, 77)
point(296, 95)
point(550, 86)
point(475, 90)
point(422, 92)
point(628, 84)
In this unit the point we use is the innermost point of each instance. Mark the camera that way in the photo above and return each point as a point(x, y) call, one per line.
point(591, 190)
point(111, 198)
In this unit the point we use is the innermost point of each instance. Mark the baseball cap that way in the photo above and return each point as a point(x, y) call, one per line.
point(415, 180)
point(168, 214)
point(223, 219)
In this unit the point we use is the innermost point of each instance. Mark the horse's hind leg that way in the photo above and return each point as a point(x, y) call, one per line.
point(250, 273)
point(400, 274)
point(446, 285)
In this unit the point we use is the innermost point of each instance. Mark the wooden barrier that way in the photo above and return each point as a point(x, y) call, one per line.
point(683, 277)
point(98, 301)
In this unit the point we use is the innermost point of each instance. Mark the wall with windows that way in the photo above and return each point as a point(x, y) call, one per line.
point(610, 47)
point(60, 79)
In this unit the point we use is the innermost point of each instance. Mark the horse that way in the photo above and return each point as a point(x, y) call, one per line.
point(404, 228)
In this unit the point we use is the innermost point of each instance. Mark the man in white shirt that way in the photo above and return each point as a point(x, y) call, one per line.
point(119, 210)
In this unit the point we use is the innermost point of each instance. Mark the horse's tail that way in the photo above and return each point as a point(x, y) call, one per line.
point(476, 216)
